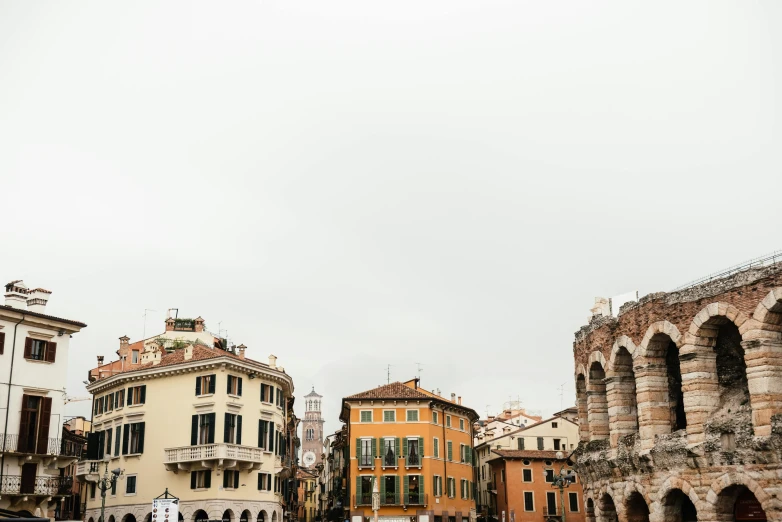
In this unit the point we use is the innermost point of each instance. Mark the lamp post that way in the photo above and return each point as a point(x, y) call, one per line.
point(561, 480)
point(105, 484)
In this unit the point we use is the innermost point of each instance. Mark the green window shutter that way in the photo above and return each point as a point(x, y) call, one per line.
point(358, 449)
point(406, 491)
point(358, 489)
point(436, 448)
point(421, 446)
point(396, 490)
point(380, 448)
point(374, 447)
point(450, 450)
point(382, 490)
point(404, 447)
point(396, 450)
point(421, 489)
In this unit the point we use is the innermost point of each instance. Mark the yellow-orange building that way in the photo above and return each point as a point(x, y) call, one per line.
point(417, 446)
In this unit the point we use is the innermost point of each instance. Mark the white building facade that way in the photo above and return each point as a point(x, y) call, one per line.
point(34, 350)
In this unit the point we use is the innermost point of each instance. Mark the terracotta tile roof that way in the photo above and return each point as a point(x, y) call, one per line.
point(527, 454)
point(44, 316)
point(395, 390)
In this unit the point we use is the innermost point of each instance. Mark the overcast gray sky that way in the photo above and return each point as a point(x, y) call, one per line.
point(354, 184)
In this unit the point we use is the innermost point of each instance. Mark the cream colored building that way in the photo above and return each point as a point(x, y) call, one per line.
point(554, 434)
point(210, 425)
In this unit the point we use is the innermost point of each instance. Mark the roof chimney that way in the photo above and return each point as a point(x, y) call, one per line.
point(100, 360)
point(241, 349)
point(16, 294)
point(170, 322)
point(460, 400)
point(199, 324)
point(37, 300)
point(453, 397)
point(272, 361)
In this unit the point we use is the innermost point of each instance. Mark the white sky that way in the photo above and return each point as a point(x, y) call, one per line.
point(354, 184)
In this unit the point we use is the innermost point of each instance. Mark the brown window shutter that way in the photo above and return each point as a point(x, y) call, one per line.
point(43, 425)
point(24, 426)
point(2, 342)
point(28, 347)
point(51, 351)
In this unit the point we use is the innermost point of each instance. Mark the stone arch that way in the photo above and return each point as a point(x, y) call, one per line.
point(91, 519)
point(128, 518)
point(589, 510)
point(148, 517)
point(200, 516)
point(764, 371)
point(111, 518)
point(621, 391)
point(636, 508)
point(715, 371)
point(581, 403)
point(246, 516)
point(263, 516)
point(274, 516)
point(229, 515)
point(717, 496)
point(658, 383)
point(596, 356)
point(606, 508)
point(597, 402)
point(767, 317)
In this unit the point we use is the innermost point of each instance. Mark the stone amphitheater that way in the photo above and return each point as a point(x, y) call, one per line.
point(680, 403)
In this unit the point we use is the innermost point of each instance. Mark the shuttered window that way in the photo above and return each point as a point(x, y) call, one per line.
point(412, 415)
point(366, 416)
point(38, 350)
point(201, 479)
point(137, 395)
point(264, 482)
point(436, 447)
point(205, 384)
point(234, 385)
point(389, 416)
point(450, 450)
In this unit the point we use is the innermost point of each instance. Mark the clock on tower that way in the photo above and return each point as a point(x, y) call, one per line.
point(312, 441)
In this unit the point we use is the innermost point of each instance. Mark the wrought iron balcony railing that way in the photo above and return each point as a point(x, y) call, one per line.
point(416, 499)
point(365, 499)
point(15, 485)
point(14, 444)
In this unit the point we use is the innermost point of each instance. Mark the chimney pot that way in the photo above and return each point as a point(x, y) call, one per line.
point(273, 361)
point(241, 349)
point(453, 397)
point(460, 400)
point(100, 360)
point(16, 294)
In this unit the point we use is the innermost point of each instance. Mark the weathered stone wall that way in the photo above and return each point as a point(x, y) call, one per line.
point(716, 349)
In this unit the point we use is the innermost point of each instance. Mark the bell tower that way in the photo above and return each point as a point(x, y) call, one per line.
point(312, 427)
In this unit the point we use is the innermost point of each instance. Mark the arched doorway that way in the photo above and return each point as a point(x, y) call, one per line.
point(128, 518)
point(589, 510)
point(245, 516)
point(200, 516)
point(622, 406)
point(637, 509)
point(91, 520)
point(262, 517)
point(597, 403)
point(677, 507)
point(741, 504)
point(607, 509)
point(181, 518)
point(148, 517)
point(274, 516)
point(228, 515)
point(111, 518)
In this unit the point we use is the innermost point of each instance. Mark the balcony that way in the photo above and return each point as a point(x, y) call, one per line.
point(553, 515)
point(51, 455)
point(88, 470)
point(209, 456)
point(413, 499)
point(365, 499)
point(16, 486)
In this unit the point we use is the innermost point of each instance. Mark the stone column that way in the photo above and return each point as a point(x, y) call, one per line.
point(764, 376)
point(581, 403)
point(597, 409)
point(622, 412)
point(654, 412)
point(699, 385)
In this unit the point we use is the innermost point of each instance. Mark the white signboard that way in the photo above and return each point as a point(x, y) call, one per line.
point(165, 510)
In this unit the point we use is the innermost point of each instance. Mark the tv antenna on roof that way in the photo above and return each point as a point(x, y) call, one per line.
point(419, 370)
point(562, 395)
point(144, 336)
point(388, 374)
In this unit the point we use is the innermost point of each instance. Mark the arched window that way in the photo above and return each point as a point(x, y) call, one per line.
point(622, 408)
point(310, 435)
point(581, 403)
point(597, 404)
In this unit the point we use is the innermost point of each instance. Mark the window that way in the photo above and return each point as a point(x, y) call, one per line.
point(309, 434)
point(448, 421)
point(520, 443)
point(549, 475)
point(134, 356)
point(264, 482)
point(133, 439)
point(554, 425)
point(202, 429)
point(434, 417)
point(461, 424)
point(390, 490)
point(449, 444)
point(529, 501)
point(366, 452)
point(436, 448)
point(137, 395)
point(413, 492)
point(540, 443)
point(119, 399)
point(451, 487)
point(526, 475)
point(573, 501)
point(267, 393)
point(556, 444)
point(232, 432)
point(412, 415)
point(277, 484)
point(389, 416)
point(364, 487)
point(265, 434)
point(502, 475)
point(438, 486)
point(390, 451)
point(108, 441)
point(201, 479)
point(366, 416)
point(114, 489)
point(205, 384)
point(110, 402)
point(93, 487)
point(413, 451)
point(117, 441)
point(234, 385)
point(37, 350)
point(130, 485)
point(230, 479)
point(551, 502)
point(280, 397)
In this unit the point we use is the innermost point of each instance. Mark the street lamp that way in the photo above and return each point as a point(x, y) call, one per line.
point(561, 480)
point(105, 484)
